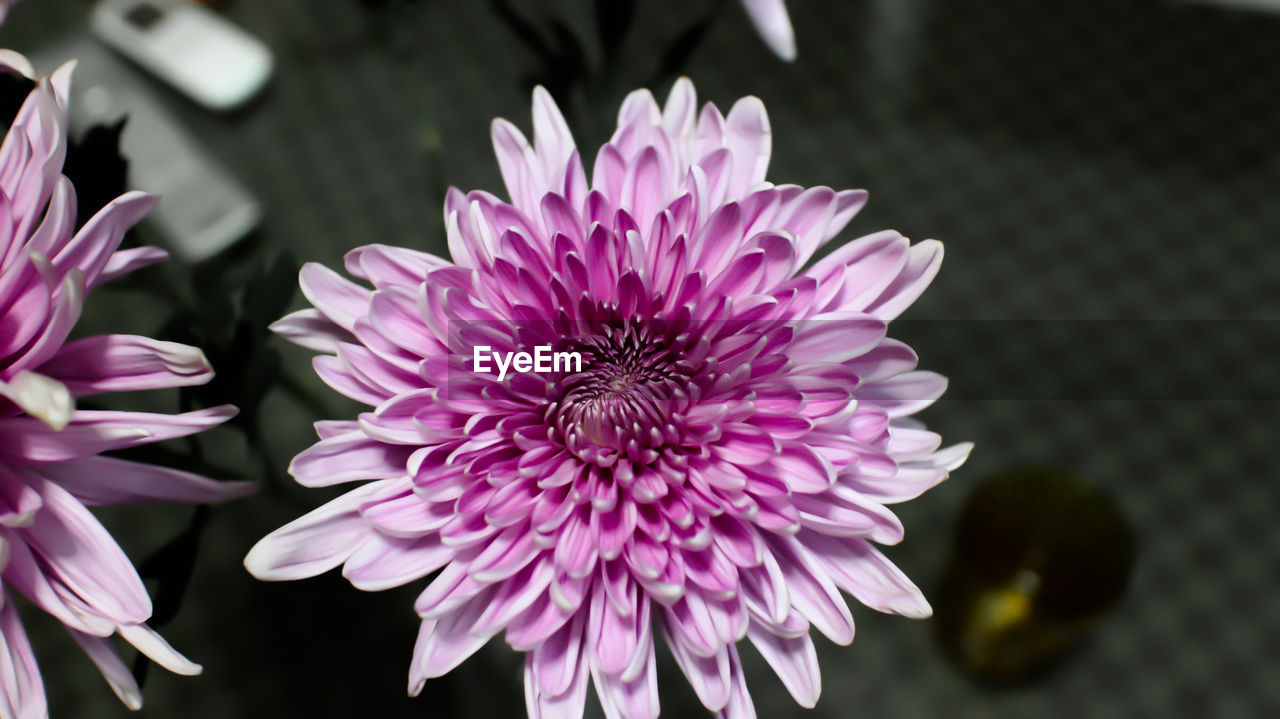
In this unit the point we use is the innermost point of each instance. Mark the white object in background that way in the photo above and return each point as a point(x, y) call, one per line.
point(1272, 5)
point(203, 209)
point(205, 57)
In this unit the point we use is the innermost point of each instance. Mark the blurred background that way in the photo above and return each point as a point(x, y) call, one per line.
point(1103, 174)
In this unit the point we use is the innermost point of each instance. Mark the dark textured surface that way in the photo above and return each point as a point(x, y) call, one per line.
point(1097, 160)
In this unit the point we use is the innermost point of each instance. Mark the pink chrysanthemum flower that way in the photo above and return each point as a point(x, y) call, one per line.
point(52, 549)
point(717, 470)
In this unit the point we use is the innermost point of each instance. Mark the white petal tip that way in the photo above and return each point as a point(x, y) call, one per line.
point(258, 562)
point(131, 698)
point(16, 62)
point(148, 642)
point(44, 398)
point(934, 246)
point(911, 607)
point(218, 414)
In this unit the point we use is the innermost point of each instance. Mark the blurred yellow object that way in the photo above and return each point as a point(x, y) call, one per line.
point(1039, 557)
point(1007, 606)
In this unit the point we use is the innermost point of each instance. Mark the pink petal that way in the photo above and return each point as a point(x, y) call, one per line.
point(863, 571)
point(347, 458)
point(556, 663)
point(338, 375)
point(575, 551)
point(912, 478)
point(104, 656)
point(508, 608)
point(372, 370)
point(451, 589)
point(709, 676)
point(719, 239)
point(315, 542)
point(922, 266)
point(679, 114)
point(66, 304)
point(739, 706)
point(445, 643)
point(552, 140)
point(58, 226)
point(807, 217)
point(638, 111)
point(337, 298)
point(92, 247)
point(835, 337)
point(24, 440)
point(888, 359)
point(607, 177)
point(19, 501)
point(122, 262)
point(750, 140)
point(794, 660)
point(856, 274)
point(803, 469)
point(21, 690)
point(146, 640)
point(613, 635)
point(121, 363)
point(709, 135)
point(382, 562)
point(77, 551)
point(904, 394)
point(407, 516)
point(848, 204)
point(644, 188)
point(813, 593)
point(394, 313)
point(506, 554)
point(629, 699)
point(568, 704)
point(521, 171)
point(30, 300)
point(99, 481)
point(541, 619)
point(388, 266)
point(311, 329)
point(26, 573)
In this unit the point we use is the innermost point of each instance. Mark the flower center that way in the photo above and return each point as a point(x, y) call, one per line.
point(621, 403)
